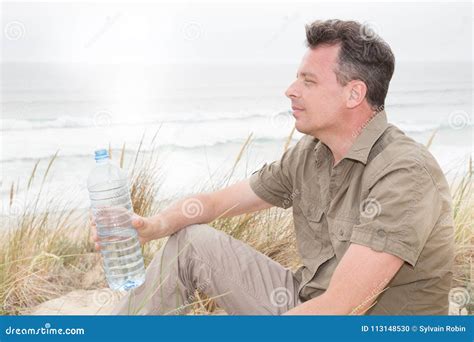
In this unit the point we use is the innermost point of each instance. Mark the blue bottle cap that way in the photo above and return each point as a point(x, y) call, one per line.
point(101, 154)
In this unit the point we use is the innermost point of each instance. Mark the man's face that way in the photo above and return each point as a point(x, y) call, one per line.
point(317, 99)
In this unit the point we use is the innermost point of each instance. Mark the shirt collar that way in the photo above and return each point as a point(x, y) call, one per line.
point(366, 138)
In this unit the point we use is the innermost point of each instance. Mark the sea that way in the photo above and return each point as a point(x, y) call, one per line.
point(199, 115)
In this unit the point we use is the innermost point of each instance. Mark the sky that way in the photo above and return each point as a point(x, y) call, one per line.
point(220, 33)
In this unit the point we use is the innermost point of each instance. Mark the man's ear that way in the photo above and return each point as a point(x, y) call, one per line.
point(356, 91)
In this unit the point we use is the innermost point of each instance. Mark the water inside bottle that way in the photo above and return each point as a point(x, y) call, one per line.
point(120, 248)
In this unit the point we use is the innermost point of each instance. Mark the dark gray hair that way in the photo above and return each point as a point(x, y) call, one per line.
point(363, 55)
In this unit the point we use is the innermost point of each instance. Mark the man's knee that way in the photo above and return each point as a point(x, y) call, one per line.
point(176, 243)
point(195, 231)
point(200, 236)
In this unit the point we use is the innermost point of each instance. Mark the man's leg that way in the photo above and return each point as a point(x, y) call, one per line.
point(241, 280)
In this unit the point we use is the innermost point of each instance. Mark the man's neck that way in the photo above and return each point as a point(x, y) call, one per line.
point(342, 137)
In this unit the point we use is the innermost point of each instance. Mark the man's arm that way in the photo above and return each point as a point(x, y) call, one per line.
point(360, 277)
point(234, 200)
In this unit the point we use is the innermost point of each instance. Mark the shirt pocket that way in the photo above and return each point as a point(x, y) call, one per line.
point(312, 236)
point(340, 232)
point(311, 219)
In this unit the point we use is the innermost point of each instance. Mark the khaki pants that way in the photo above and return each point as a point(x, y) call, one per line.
point(241, 280)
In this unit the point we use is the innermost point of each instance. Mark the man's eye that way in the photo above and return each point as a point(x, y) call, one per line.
point(308, 82)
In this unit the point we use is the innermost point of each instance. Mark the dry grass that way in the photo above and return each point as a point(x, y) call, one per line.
point(47, 253)
point(463, 207)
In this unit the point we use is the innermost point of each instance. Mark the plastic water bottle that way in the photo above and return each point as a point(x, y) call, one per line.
point(112, 209)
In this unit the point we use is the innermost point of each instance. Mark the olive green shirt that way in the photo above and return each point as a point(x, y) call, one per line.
point(388, 193)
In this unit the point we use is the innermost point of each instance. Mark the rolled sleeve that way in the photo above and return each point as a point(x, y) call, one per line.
point(400, 211)
point(274, 182)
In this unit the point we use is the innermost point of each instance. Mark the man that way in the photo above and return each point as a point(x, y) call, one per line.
point(371, 207)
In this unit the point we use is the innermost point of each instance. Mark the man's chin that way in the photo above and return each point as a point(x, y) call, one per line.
point(306, 129)
point(300, 127)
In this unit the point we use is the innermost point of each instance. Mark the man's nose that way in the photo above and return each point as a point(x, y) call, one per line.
point(292, 91)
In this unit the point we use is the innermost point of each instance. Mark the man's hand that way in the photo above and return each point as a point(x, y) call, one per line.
point(147, 228)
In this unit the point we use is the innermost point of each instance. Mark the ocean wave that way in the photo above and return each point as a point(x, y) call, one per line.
point(161, 147)
point(104, 119)
point(407, 90)
point(68, 122)
point(223, 140)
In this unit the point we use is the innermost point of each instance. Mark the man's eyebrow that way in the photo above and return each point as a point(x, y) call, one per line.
point(304, 74)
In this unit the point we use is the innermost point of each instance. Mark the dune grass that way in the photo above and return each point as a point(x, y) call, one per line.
point(47, 253)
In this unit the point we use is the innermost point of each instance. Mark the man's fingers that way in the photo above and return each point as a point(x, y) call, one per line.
point(138, 222)
point(94, 235)
point(92, 220)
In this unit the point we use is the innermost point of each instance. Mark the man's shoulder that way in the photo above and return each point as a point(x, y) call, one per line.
point(402, 153)
point(396, 146)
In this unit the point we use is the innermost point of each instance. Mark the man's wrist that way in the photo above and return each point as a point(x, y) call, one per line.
point(158, 226)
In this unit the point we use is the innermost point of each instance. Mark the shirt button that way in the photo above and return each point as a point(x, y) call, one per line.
point(341, 232)
point(381, 233)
